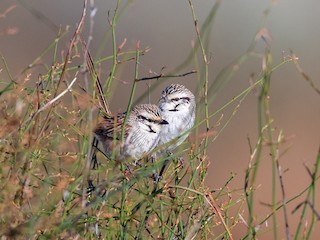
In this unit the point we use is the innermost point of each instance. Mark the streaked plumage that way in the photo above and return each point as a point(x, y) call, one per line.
point(178, 108)
point(141, 132)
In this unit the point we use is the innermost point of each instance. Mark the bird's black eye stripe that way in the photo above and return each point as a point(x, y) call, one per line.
point(151, 130)
point(147, 119)
point(182, 98)
point(142, 117)
point(185, 98)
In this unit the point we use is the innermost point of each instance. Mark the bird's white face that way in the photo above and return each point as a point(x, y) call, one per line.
point(149, 119)
point(177, 106)
point(177, 99)
point(146, 124)
point(142, 132)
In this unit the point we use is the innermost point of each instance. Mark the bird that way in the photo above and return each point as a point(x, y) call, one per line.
point(178, 106)
point(141, 133)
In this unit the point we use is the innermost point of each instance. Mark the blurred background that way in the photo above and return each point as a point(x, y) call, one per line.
point(28, 27)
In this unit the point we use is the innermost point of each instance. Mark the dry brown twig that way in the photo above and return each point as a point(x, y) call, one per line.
point(94, 76)
point(9, 9)
point(166, 76)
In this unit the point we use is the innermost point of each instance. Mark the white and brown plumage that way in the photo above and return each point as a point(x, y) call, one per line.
point(141, 132)
point(178, 108)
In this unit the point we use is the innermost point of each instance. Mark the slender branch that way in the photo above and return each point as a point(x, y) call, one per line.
point(48, 104)
point(166, 76)
point(94, 76)
point(285, 213)
point(112, 23)
point(93, 11)
point(303, 74)
point(9, 9)
point(66, 62)
point(216, 208)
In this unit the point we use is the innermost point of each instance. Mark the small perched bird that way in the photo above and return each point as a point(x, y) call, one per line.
point(178, 108)
point(141, 132)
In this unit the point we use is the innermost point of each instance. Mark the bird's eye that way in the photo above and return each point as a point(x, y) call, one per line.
point(175, 99)
point(142, 117)
point(146, 119)
point(186, 99)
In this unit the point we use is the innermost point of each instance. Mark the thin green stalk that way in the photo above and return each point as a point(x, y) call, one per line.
point(235, 110)
point(103, 43)
point(10, 85)
point(39, 15)
point(252, 170)
point(311, 194)
point(206, 80)
point(286, 219)
point(6, 67)
point(307, 189)
point(114, 47)
point(221, 190)
point(202, 173)
point(54, 60)
point(245, 92)
point(47, 49)
point(314, 218)
point(67, 58)
point(87, 149)
point(184, 196)
point(123, 221)
point(196, 131)
point(266, 100)
point(124, 182)
point(44, 52)
point(205, 28)
point(133, 90)
point(227, 73)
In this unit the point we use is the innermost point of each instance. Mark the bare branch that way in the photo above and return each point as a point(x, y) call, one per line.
point(165, 76)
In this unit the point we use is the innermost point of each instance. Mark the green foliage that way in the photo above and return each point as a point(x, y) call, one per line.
point(50, 190)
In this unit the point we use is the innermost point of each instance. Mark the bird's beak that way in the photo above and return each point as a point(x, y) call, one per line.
point(164, 122)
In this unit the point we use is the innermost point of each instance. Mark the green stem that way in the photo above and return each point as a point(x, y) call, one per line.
point(114, 47)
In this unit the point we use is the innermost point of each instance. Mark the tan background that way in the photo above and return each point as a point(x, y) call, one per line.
point(167, 27)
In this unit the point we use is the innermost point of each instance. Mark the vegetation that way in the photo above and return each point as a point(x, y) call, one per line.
point(50, 189)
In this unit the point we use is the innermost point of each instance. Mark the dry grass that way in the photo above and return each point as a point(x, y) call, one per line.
point(49, 189)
